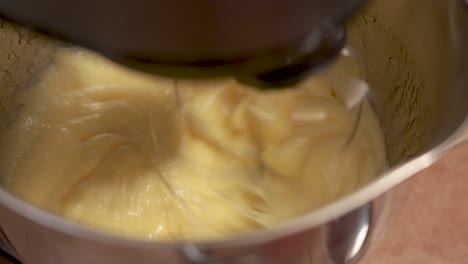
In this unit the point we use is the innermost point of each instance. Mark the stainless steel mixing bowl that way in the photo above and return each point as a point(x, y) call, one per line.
point(415, 61)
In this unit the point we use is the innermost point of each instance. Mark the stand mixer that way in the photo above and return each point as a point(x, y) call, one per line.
point(268, 44)
point(263, 43)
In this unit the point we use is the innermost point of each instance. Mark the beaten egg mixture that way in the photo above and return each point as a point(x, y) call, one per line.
point(157, 158)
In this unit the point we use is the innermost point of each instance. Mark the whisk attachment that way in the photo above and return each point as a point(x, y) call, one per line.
point(350, 86)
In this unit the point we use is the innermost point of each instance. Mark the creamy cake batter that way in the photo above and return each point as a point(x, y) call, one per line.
point(157, 158)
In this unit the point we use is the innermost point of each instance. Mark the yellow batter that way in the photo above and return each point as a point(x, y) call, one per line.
point(156, 158)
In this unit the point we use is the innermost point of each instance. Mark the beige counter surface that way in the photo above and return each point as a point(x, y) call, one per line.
point(433, 226)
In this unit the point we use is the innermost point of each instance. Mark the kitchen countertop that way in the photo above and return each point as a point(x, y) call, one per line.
point(433, 226)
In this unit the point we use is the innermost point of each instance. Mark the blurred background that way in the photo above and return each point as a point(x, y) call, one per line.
point(433, 226)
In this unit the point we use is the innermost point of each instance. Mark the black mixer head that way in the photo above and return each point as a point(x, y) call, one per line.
point(265, 43)
point(300, 64)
